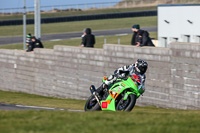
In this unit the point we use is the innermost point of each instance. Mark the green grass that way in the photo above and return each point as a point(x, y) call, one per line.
point(78, 26)
point(80, 12)
point(140, 119)
point(124, 40)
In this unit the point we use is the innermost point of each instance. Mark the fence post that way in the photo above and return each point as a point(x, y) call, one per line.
point(105, 41)
point(118, 40)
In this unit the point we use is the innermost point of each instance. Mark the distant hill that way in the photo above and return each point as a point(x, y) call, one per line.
point(141, 3)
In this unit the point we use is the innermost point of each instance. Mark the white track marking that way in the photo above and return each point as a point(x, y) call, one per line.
point(56, 40)
point(35, 107)
point(121, 34)
point(46, 108)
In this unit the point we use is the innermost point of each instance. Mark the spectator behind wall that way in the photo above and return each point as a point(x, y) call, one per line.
point(140, 37)
point(88, 40)
point(36, 43)
point(33, 43)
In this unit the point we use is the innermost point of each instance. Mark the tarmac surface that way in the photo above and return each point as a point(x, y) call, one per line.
point(24, 107)
point(64, 36)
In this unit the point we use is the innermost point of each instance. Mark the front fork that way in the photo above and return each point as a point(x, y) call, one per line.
point(92, 90)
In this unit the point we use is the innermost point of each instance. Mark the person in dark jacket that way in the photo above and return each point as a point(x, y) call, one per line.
point(140, 37)
point(36, 43)
point(143, 39)
point(89, 39)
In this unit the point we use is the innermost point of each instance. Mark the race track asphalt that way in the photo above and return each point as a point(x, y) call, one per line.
point(63, 36)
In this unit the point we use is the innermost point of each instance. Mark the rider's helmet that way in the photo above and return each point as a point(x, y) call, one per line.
point(141, 66)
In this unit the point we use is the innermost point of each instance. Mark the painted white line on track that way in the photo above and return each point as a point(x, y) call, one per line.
point(56, 40)
point(100, 35)
point(35, 107)
point(75, 38)
point(71, 110)
point(121, 34)
point(47, 108)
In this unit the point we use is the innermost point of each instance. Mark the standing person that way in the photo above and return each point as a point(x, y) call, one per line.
point(89, 38)
point(140, 37)
point(36, 43)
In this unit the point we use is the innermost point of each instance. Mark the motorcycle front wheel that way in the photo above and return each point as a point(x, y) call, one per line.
point(126, 105)
point(92, 104)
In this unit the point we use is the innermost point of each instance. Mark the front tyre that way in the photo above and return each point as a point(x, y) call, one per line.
point(126, 105)
point(92, 104)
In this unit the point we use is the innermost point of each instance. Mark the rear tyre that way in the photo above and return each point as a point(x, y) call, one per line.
point(92, 104)
point(126, 105)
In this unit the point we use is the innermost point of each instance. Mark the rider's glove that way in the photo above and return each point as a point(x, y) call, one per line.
point(123, 71)
point(123, 75)
point(110, 80)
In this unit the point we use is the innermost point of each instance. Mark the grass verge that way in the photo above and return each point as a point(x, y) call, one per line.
point(78, 26)
point(140, 119)
point(35, 100)
point(124, 40)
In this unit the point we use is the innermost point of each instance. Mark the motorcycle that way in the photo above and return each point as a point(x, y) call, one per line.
point(119, 96)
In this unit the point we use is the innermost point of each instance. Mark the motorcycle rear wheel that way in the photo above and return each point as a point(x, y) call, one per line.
point(92, 104)
point(126, 105)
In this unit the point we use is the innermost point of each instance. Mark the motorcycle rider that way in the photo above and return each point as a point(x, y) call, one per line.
point(137, 70)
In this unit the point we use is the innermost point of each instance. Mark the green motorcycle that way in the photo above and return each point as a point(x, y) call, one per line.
point(119, 96)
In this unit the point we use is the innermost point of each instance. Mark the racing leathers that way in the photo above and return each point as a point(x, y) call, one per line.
point(123, 72)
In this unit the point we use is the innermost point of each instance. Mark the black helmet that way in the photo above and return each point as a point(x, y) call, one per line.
point(141, 66)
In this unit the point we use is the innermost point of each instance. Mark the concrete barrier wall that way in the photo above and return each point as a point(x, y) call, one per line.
point(185, 74)
point(67, 72)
